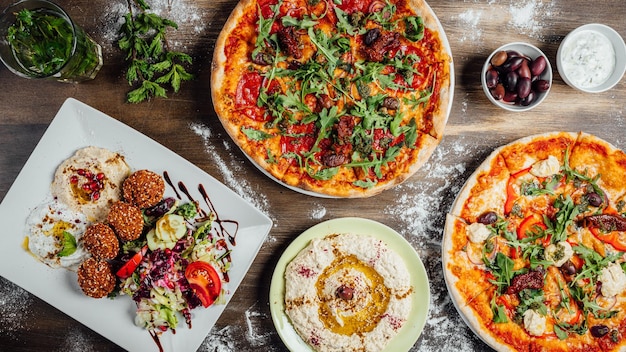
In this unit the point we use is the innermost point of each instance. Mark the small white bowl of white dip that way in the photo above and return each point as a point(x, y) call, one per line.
point(592, 58)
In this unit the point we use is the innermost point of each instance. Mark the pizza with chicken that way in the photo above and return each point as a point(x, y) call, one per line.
point(339, 98)
point(534, 244)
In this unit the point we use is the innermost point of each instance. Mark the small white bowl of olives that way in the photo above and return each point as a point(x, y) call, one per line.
point(517, 76)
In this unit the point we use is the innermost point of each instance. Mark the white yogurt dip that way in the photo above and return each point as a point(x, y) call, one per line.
point(588, 59)
point(45, 228)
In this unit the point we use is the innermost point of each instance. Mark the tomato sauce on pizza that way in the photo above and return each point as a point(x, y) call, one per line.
point(339, 98)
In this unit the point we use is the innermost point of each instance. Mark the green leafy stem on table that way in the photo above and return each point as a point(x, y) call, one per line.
point(152, 66)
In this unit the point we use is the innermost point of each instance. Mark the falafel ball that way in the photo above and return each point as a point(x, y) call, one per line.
point(143, 188)
point(100, 240)
point(96, 278)
point(126, 220)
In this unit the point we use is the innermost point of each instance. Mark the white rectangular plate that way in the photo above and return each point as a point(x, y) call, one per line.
point(77, 125)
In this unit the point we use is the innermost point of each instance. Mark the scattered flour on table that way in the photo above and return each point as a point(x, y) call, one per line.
point(231, 169)
point(228, 339)
point(186, 14)
point(470, 21)
point(423, 203)
point(616, 113)
point(113, 19)
point(254, 324)
point(464, 100)
point(75, 341)
point(15, 305)
point(464, 106)
point(443, 320)
point(317, 212)
point(526, 17)
point(222, 340)
point(529, 17)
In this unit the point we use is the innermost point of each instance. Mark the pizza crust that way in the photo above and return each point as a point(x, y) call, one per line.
point(218, 64)
point(446, 90)
point(224, 103)
point(524, 152)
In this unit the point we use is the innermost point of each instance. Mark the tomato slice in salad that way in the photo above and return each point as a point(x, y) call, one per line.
point(204, 281)
point(129, 267)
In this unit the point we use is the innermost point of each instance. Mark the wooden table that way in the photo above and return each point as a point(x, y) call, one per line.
point(187, 124)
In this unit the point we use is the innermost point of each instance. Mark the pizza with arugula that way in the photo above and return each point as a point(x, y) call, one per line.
point(340, 98)
point(534, 246)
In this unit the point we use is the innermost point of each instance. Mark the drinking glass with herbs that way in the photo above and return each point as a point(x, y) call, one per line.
point(39, 40)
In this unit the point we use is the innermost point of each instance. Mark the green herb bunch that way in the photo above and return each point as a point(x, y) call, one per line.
point(41, 41)
point(151, 64)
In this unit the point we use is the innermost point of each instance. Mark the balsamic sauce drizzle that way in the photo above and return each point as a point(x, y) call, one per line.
point(220, 222)
point(166, 176)
point(225, 228)
point(155, 337)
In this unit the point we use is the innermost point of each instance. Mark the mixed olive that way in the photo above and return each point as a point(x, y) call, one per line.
point(594, 199)
point(515, 78)
point(599, 330)
point(488, 218)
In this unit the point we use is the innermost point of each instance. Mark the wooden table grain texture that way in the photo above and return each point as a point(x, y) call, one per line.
point(186, 123)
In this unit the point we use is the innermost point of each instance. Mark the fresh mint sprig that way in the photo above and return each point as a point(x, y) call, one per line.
point(152, 65)
point(40, 41)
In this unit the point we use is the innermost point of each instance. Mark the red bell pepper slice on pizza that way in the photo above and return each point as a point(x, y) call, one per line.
point(511, 192)
point(530, 225)
point(616, 239)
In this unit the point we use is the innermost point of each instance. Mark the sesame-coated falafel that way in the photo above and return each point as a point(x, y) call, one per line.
point(100, 240)
point(143, 188)
point(96, 278)
point(126, 220)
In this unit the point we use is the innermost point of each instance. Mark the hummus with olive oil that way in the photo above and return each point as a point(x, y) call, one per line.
point(347, 292)
point(90, 181)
